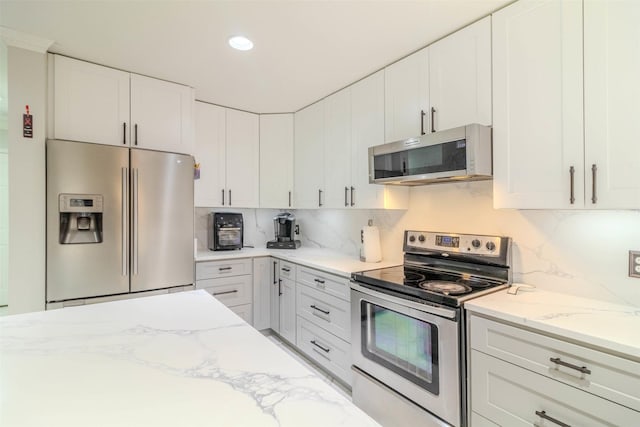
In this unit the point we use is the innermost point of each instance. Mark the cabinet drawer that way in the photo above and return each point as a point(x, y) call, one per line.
point(512, 396)
point(611, 377)
point(230, 291)
point(244, 311)
point(326, 349)
point(332, 285)
point(287, 270)
point(324, 310)
point(215, 269)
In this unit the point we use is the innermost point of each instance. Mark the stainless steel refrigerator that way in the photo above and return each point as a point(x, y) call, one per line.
point(119, 220)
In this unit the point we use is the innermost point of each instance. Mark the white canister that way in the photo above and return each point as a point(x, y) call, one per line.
point(371, 251)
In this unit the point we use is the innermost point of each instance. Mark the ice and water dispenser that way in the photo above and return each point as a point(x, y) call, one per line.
point(80, 218)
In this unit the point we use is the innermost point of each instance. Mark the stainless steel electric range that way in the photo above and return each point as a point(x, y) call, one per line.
point(408, 329)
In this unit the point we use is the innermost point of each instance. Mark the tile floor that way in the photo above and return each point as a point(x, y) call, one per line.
point(337, 385)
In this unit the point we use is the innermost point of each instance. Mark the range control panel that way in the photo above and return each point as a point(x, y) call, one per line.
point(457, 243)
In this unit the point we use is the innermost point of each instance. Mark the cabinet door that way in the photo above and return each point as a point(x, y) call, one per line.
point(288, 310)
point(407, 97)
point(337, 149)
point(367, 129)
point(308, 150)
point(276, 161)
point(460, 78)
point(243, 159)
point(276, 286)
point(161, 115)
point(537, 105)
point(91, 102)
point(210, 130)
point(262, 280)
point(612, 103)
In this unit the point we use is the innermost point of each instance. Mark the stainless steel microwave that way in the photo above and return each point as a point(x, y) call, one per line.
point(457, 154)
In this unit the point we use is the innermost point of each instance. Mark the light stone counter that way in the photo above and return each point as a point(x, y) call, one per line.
point(613, 328)
point(170, 360)
point(322, 259)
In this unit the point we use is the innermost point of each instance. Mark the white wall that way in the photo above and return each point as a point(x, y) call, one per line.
point(27, 86)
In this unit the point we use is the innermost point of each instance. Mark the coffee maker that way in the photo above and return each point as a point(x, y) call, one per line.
point(284, 225)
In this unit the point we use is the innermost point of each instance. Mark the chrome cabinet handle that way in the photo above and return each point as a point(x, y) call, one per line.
point(572, 172)
point(224, 268)
point(346, 196)
point(594, 198)
point(543, 415)
point(433, 114)
point(135, 132)
point(225, 292)
point(124, 132)
point(222, 197)
point(275, 267)
point(289, 198)
point(353, 202)
point(135, 221)
point(320, 310)
point(422, 114)
point(325, 349)
point(319, 198)
point(582, 369)
point(125, 209)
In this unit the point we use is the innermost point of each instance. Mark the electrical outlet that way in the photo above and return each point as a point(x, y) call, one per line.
point(634, 264)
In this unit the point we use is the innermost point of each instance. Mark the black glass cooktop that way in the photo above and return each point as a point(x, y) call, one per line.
point(440, 287)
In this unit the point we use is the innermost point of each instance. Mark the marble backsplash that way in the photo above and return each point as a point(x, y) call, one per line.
point(583, 253)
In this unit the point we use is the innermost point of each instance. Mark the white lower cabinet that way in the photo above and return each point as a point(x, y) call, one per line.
point(288, 310)
point(263, 280)
point(326, 311)
point(231, 282)
point(521, 377)
point(329, 351)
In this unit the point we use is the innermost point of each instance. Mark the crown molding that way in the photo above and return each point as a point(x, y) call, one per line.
point(24, 41)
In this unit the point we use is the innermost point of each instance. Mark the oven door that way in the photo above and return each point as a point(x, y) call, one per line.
point(410, 347)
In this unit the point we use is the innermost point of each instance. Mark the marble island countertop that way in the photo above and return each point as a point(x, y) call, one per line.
point(611, 327)
point(323, 259)
point(167, 360)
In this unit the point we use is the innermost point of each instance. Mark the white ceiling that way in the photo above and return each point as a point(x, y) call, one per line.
point(304, 50)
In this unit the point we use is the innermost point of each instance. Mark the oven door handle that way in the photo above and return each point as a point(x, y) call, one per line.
point(438, 311)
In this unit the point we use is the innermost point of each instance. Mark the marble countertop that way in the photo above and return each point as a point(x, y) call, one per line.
point(323, 259)
point(167, 360)
point(611, 327)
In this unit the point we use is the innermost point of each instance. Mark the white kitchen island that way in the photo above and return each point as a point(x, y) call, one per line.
point(180, 359)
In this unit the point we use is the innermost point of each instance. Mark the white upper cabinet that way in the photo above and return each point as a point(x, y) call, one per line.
point(545, 155)
point(276, 161)
point(97, 104)
point(367, 129)
point(309, 157)
point(90, 102)
point(612, 103)
point(210, 155)
point(227, 150)
point(460, 78)
point(337, 149)
point(161, 115)
point(407, 97)
point(243, 159)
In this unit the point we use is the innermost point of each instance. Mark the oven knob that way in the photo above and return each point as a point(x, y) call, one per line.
point(421, 238)
point(475, 243)
point(412, 238)
point(491, 246)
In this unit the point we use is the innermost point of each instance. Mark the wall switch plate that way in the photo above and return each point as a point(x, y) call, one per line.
point(634, 264)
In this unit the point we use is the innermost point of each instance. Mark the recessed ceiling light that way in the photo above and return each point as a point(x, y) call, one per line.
point(240, 43)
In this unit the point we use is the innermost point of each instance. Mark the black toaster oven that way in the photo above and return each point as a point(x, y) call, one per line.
point(225, 231)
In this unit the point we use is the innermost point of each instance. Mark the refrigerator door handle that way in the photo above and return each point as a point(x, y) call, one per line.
point(125, 210)
point(134, 252)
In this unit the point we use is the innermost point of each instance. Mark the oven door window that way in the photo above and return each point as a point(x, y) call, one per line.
point(402, 344)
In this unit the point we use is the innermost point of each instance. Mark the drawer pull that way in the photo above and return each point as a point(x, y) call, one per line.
point(325, 349)
point(285, 269)
point(582, 369)
point(543, 415)
point(320, 310)
point(225, 292)
point(319, 281)
point(224, 268)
